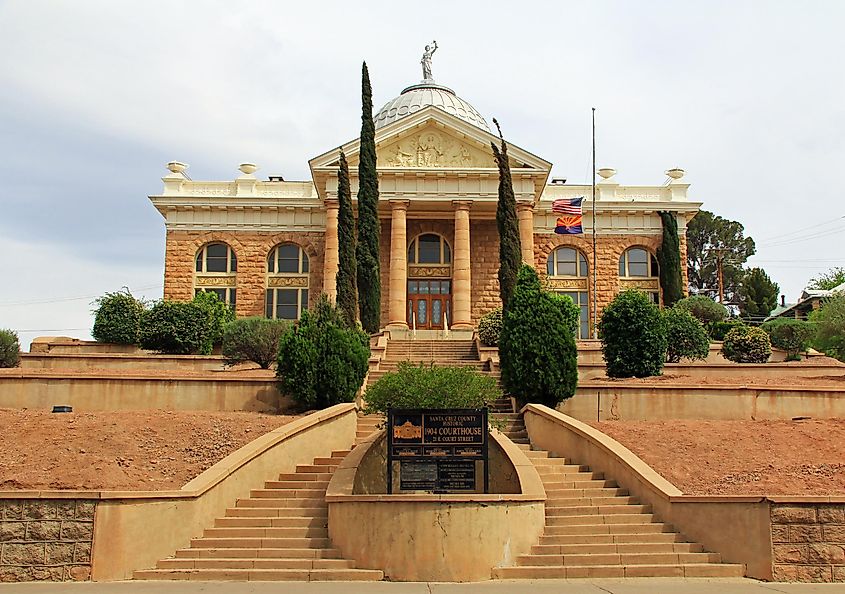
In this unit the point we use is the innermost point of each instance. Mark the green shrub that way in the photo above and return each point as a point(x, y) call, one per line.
point(490, 327)
point(633, 337)
point(746, 344)
point(253, 339)
point(424, 386)
point(321, 360)
point(10, 349)
point(176, 328)
point(704, 309)
point(719, 329)
point(569, 310)
point(539, 360)
point(829, 321)
point(791, 335)
point(219, 314)
point(685, 336)
point(117, 318)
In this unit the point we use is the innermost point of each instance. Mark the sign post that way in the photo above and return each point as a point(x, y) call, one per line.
point(438, 450)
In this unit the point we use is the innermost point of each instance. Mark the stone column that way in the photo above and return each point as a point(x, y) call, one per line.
point(398, 287)
point(525, 214)
point(330, 259)
point(461, 274)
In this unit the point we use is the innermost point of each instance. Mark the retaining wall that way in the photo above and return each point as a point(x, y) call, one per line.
point(808, 539)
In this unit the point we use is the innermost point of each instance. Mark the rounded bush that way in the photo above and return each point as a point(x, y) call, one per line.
point(829, 322)
point(791, 335)
point(322, 361)
point(10, 349)
point(219, 314)
point(686, 337)
point(176, 328)
point(253, 339)
point(746, 344)
point(633, 337)
point(537, 353)
point(490, 327)
point(719, 329)
point(568, 309)
point(117, 318)
point(704, 309)
point(427, 386)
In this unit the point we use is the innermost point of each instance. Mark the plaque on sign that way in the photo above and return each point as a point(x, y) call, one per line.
point(437, 449)
point(415, 475)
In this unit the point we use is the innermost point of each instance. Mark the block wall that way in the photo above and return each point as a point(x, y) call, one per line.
point(808, 542)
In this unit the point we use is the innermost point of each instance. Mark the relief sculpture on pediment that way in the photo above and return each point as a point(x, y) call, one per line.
point(432, 149)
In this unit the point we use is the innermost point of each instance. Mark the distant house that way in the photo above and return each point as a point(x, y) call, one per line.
point(810, 300)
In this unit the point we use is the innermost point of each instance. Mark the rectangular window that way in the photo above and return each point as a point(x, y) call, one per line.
point(286, 304)
point(268, 303)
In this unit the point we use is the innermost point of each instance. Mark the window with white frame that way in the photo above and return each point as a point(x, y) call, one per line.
point(287, 282)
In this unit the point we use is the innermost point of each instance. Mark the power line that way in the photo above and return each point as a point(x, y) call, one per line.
point(799, 231)
point(62, 299)
point(794, 240)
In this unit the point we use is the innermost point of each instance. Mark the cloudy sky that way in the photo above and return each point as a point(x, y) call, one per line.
point(97, 96)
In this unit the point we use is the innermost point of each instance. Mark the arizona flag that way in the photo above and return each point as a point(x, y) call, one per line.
point(569, 210)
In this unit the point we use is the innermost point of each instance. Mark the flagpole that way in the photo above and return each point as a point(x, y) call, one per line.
point(595, 334)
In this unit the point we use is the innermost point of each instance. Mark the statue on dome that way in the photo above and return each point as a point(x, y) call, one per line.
point(426, 60)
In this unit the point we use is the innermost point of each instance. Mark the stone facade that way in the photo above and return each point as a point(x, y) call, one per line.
point(46, 539)
point(808, 542)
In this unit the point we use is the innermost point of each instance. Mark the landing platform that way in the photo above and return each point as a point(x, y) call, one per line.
point(430, 334)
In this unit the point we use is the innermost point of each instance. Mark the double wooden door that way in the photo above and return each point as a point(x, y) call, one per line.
point(429, 303)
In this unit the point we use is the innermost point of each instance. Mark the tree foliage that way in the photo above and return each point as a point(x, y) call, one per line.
point(633, 337)
point(369, 230)
point(758, 295)
point(510, 249)
point(790, 334)
point(747, 344)
point(10, 349)
point(219, 314)
point(539, 360)
point(347, 282)
point(669, 260)
point(490, 327)
point(253, 339)
point(829, 280)
point(117, 318)
point(829, 321)
point(427, 386)
point(322, 361)
point(703, 308)
point(712, 238)
point(686, 337)
point(176, 328)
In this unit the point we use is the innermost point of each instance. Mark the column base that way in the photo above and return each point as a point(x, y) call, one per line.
point(461, 326)
point(396, 326)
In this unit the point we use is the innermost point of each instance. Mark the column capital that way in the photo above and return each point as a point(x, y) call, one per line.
point(399, 204)
point(523, 205)
point(332, 203)
point(462, 204)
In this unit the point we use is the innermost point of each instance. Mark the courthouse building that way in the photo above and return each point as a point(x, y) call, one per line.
point(270, 247)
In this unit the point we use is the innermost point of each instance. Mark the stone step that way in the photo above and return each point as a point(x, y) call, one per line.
point(258, 553)
point(281, 502)
point(577, 539)
point(618, 571)
point(595, 510)
point(652, 528)
point(603, 549)
point(280, 493)
point(321, 468)
point(267, 532)
point(305, 476)
point(308, 485)
point(596, 519)
point(564, 476)
point(619, 559)
point(246, 563)
point(331, 462)
point(280, 512)
point(259, 543)
point(244, 575)
point(563, 494)
point(340, 453)
point(272, 522)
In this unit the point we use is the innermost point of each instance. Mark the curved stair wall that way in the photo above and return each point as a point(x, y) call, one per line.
point(430, 537)
point(133, 530)
point(738, 528)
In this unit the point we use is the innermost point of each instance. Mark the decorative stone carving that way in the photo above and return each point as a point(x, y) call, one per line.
point(431, 148)
point(649, 284)
point(430, 271)
point(564, 284)
point(275, 282)
point(215, 281)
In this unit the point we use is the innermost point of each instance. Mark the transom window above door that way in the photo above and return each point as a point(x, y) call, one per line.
point(429, 249)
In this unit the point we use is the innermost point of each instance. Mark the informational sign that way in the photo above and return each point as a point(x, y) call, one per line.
point(437, 450)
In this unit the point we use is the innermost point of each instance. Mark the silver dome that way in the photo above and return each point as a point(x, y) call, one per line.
point(415, 97)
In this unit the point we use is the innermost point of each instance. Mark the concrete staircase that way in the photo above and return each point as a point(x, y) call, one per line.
point(595, 529)
point(443, 353)
point(279, 533)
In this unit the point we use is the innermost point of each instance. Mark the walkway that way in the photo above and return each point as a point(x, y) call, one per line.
point(624, 586)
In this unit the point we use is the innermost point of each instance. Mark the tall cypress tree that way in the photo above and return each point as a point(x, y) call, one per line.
point(369, 279)
point(669, 259)
point(347, 284)
point(510, 248)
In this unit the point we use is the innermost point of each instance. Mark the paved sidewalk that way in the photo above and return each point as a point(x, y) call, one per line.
point(626, 586)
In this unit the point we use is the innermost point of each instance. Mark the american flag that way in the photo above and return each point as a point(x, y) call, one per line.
point(568, 206)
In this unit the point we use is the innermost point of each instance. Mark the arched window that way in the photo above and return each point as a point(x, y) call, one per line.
point(429, 249)
point(287, 282)
point(215, 271)
point(567, 271)
point(638, 269)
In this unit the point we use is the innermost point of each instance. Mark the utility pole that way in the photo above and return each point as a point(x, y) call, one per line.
point(719, 259)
